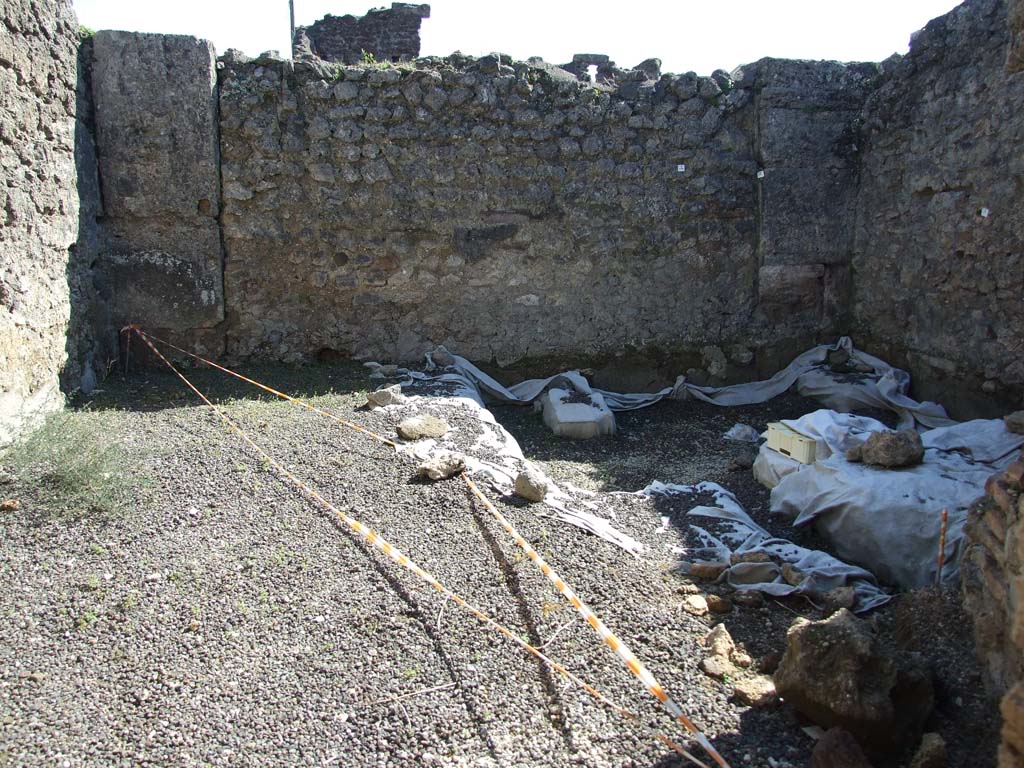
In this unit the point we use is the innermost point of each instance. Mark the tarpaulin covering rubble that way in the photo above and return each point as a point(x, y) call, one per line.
point(870, 383)
point(819, 572)
point(888, 520)
point(885, 520)
point(495, 457)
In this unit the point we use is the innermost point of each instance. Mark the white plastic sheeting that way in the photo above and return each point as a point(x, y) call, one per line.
point(821, 572)
point(495, 457)
point(742, 433)
point(879, 386)
point(527, 391)
point(888, 520)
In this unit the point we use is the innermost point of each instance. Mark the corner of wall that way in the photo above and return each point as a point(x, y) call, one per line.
point(91, 347)
point(937, 266)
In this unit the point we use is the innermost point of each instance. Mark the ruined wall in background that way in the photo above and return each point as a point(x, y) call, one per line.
point(511, 211)
point(982, 166)
point(939, 265)
point(386, 34)
point(38, 204)
point(514, 211)
point(155, 104)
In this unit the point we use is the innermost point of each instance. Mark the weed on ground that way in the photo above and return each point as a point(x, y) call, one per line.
point(72, 466)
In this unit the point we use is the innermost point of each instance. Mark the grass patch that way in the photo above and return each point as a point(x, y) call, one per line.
point(71, 466)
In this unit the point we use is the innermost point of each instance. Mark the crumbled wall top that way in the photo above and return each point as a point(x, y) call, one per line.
point(386, 34)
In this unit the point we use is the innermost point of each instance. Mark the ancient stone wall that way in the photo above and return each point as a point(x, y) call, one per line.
point(92, 349)
point(805, 135)
point(993, 582)
point(939, 268)
point(38, 204)
point(939, 278)
point(516, 211)
point(386, 34)
point(155, 102)
point(511, 211)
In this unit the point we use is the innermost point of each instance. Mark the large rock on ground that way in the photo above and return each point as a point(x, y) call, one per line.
point(891, 449)
point(441, 465)
point(386, 396)
point(1015, 422)
point(720, 642)
point(754, 691)
point(838, 749)
point(420, 426)
point(835, 673)
point(1011, 751)
point(532, 485)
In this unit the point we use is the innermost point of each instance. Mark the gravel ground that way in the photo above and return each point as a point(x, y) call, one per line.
point(216, 618)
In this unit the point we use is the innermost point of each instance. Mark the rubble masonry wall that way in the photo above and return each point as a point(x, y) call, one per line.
point(510, 212)
point(938, 266)
point(39, 206)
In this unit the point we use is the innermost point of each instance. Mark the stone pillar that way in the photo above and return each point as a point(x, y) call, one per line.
point(804, 138)
point(158, 150)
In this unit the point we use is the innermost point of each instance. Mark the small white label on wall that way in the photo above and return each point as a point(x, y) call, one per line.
point(984, 213)
point(681, 168)
point(760, 174)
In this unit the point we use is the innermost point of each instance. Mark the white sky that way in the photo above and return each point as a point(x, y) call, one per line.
point(698, 35)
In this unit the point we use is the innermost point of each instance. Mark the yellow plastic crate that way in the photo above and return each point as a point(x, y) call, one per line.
point(790, 443)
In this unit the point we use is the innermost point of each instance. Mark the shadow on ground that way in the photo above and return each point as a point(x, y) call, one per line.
point(671, 441)
point(155, 390)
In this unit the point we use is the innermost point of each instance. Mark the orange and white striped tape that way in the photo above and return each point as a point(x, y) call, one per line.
point(301, 403)
point(635, 666)
point(620, 648)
